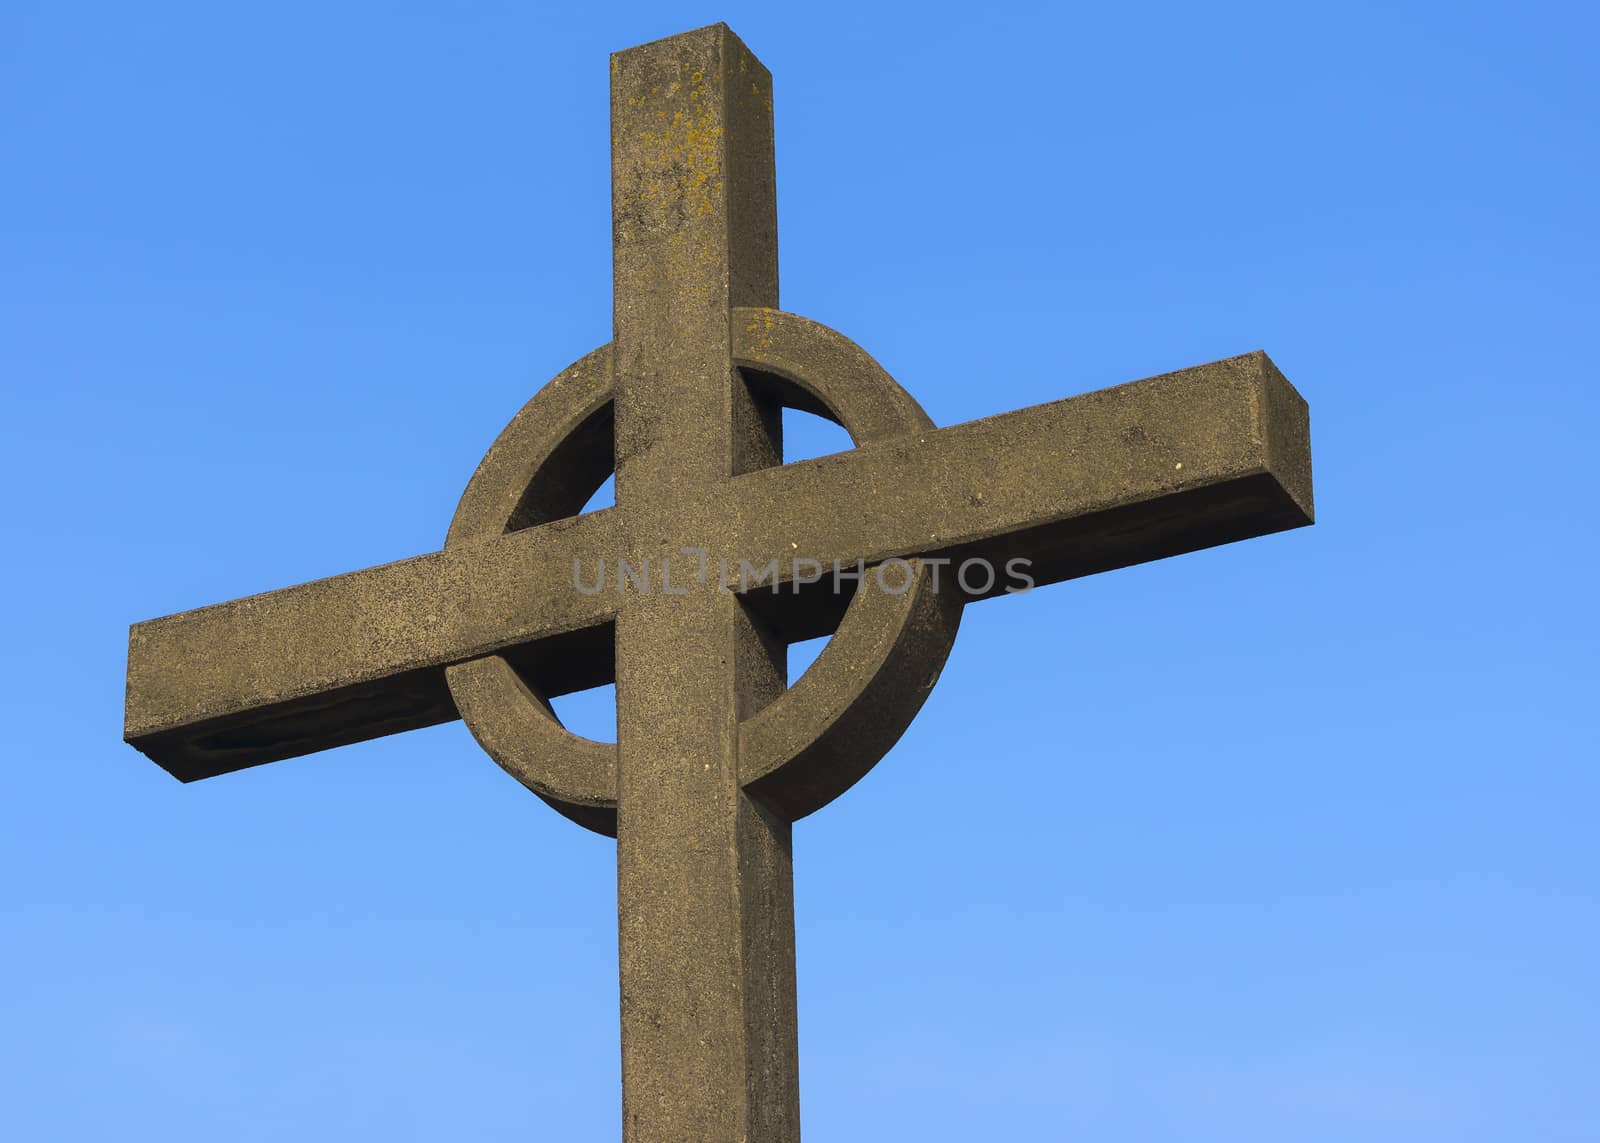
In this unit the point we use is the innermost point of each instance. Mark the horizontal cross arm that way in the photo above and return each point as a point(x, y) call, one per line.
point(355, 656)
point(1154, 468)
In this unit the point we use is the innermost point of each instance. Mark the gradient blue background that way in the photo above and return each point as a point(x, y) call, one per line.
point(1293, 839)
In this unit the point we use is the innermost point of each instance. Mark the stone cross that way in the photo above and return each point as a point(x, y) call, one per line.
point(715, 755)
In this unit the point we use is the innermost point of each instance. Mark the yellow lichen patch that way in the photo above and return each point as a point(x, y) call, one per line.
point(761, 344)
point(678, 167)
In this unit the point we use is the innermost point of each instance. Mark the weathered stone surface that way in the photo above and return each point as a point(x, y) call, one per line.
point(1186, 460)
point(351, 657)
point(715, 754)
point(705, 892)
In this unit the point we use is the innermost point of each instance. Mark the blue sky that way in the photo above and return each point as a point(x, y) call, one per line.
point(1292, 839)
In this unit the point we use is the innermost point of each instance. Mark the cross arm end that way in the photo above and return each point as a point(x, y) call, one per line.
point(1154, 468)
point(352, 657)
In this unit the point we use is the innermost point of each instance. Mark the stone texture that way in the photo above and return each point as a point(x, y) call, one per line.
point(705, 892)
point(715, 755)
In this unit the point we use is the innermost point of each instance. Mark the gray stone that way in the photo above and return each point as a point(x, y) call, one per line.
point(715, 755)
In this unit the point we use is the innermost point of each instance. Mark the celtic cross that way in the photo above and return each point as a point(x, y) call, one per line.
point(715, 755)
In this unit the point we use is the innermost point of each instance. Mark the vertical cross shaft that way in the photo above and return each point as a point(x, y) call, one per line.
point(705, 888)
